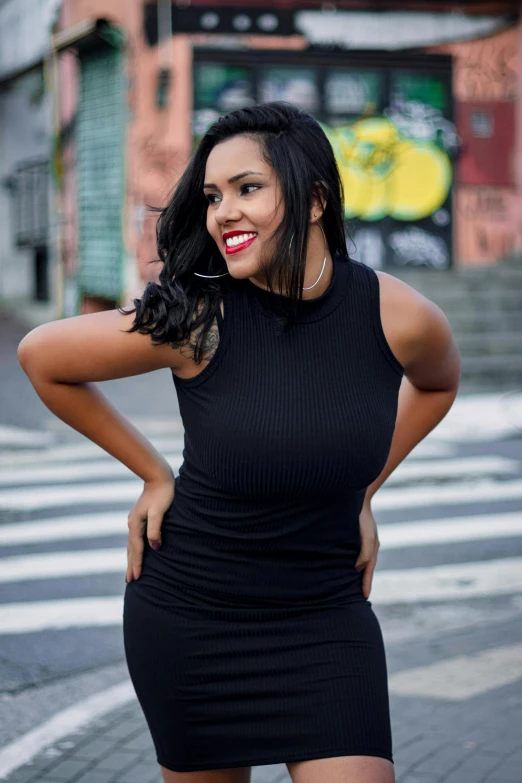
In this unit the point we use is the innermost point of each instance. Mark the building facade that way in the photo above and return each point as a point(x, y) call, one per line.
point(420, 102)
point(28, 262)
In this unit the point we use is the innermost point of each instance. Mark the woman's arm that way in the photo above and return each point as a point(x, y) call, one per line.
point(420, 337)
point(62, 360)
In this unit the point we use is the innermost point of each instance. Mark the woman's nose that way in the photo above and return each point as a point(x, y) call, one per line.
point(227, 211)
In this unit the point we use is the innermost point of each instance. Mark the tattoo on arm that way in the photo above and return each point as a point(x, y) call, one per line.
point(211, 342)
point(209, 346)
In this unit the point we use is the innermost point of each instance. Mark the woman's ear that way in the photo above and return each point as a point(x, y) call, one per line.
point(319, 200)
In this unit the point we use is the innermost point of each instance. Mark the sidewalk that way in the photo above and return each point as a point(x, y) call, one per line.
point(474, 741)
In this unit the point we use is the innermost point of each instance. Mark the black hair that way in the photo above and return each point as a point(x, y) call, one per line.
point(296, 147)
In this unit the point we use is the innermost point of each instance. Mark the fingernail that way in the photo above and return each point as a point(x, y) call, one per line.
point(155, 546)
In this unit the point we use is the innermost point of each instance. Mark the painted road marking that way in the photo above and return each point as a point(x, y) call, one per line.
point(33, 616)
point(19, 436)
point(64, 528)
point(430, 449)
point(449, 530)
point(51, 565)
point(67, 721)
point(445, 494)
point(463, 677)
point(405, 586)
point(79, 451)
point(448, 582)
point(392, 536)
point(110, 468)
point(90, 451)
point(129, 491)
point(66, 495)
point(477, 417)
point(454, 468)
point(77, 471)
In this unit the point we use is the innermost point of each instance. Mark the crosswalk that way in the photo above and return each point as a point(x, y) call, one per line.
point(45, 483)
point(450, 524)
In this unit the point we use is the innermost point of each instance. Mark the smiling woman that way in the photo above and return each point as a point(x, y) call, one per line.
point(264, 172)
point(248, 632)
point(264, 647)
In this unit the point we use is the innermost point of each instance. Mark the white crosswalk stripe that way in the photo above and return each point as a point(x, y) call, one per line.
point(461, 677)
point(392, 536)
point(84, 451)
point(450, 582)
point(80, 471)
point(31, 616)
point(422, 470)
point(38, 497)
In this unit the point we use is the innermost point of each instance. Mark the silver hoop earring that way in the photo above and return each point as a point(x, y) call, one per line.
point(324, 262)
point(200, 275)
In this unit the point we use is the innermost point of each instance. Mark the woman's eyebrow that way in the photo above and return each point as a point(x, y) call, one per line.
point(235, 178)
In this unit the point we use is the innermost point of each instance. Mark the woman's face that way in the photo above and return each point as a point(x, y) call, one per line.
point(245, 204)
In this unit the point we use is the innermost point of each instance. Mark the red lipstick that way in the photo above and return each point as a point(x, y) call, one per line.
point(235, 248)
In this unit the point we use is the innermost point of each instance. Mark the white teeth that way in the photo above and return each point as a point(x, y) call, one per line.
point(237, 240)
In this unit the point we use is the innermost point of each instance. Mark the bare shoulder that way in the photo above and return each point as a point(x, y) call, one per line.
point(93, 347)
point(419, 334)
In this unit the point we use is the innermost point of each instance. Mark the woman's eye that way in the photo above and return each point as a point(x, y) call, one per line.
point(245, 189)
point(246, 186)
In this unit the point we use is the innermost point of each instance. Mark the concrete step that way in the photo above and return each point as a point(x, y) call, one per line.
point(484, 343)
point(462, 275)
point(485, 322)
point(495, 362)
point(484, 377)
point(485, 384)
point(494, 295)
point(484, 308)
point(447, 288)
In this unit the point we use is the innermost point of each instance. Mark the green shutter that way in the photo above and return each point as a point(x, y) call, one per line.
point(100, 173)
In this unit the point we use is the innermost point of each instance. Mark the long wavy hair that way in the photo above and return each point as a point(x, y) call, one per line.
point(182, 304)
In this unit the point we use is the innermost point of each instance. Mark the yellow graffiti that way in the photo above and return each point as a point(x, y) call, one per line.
point(386, 174)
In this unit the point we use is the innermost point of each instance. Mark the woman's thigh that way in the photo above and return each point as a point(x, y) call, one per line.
point(342, 769)
point(234, 775)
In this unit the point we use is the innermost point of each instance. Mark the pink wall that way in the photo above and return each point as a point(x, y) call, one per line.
point(488, 220)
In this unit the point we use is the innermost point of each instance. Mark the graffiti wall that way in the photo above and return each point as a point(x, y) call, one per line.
point(396, 169)
point(392, 132)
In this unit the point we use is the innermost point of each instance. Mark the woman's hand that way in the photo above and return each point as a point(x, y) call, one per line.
point(147, 514)
point(367, 559)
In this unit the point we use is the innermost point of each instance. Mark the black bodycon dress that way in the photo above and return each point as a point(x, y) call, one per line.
point(247, 637)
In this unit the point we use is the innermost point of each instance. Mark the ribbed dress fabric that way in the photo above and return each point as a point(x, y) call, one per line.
point(247, 637)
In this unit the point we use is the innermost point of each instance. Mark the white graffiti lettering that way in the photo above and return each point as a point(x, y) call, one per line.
point(419, 248)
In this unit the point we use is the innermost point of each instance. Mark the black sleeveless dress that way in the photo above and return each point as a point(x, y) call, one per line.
point(247, 637)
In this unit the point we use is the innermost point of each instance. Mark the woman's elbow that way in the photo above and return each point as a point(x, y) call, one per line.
point(30, 349)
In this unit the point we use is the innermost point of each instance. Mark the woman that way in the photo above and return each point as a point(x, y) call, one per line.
point(303, 380)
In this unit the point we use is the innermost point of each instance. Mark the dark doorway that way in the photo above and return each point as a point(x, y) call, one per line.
point(41, 274)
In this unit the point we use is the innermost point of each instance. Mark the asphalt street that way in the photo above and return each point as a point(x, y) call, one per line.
point(447, 591)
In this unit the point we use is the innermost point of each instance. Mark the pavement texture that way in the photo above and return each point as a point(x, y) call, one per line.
point(473, 741)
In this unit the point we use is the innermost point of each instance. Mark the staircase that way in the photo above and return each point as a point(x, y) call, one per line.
point(484, 308)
